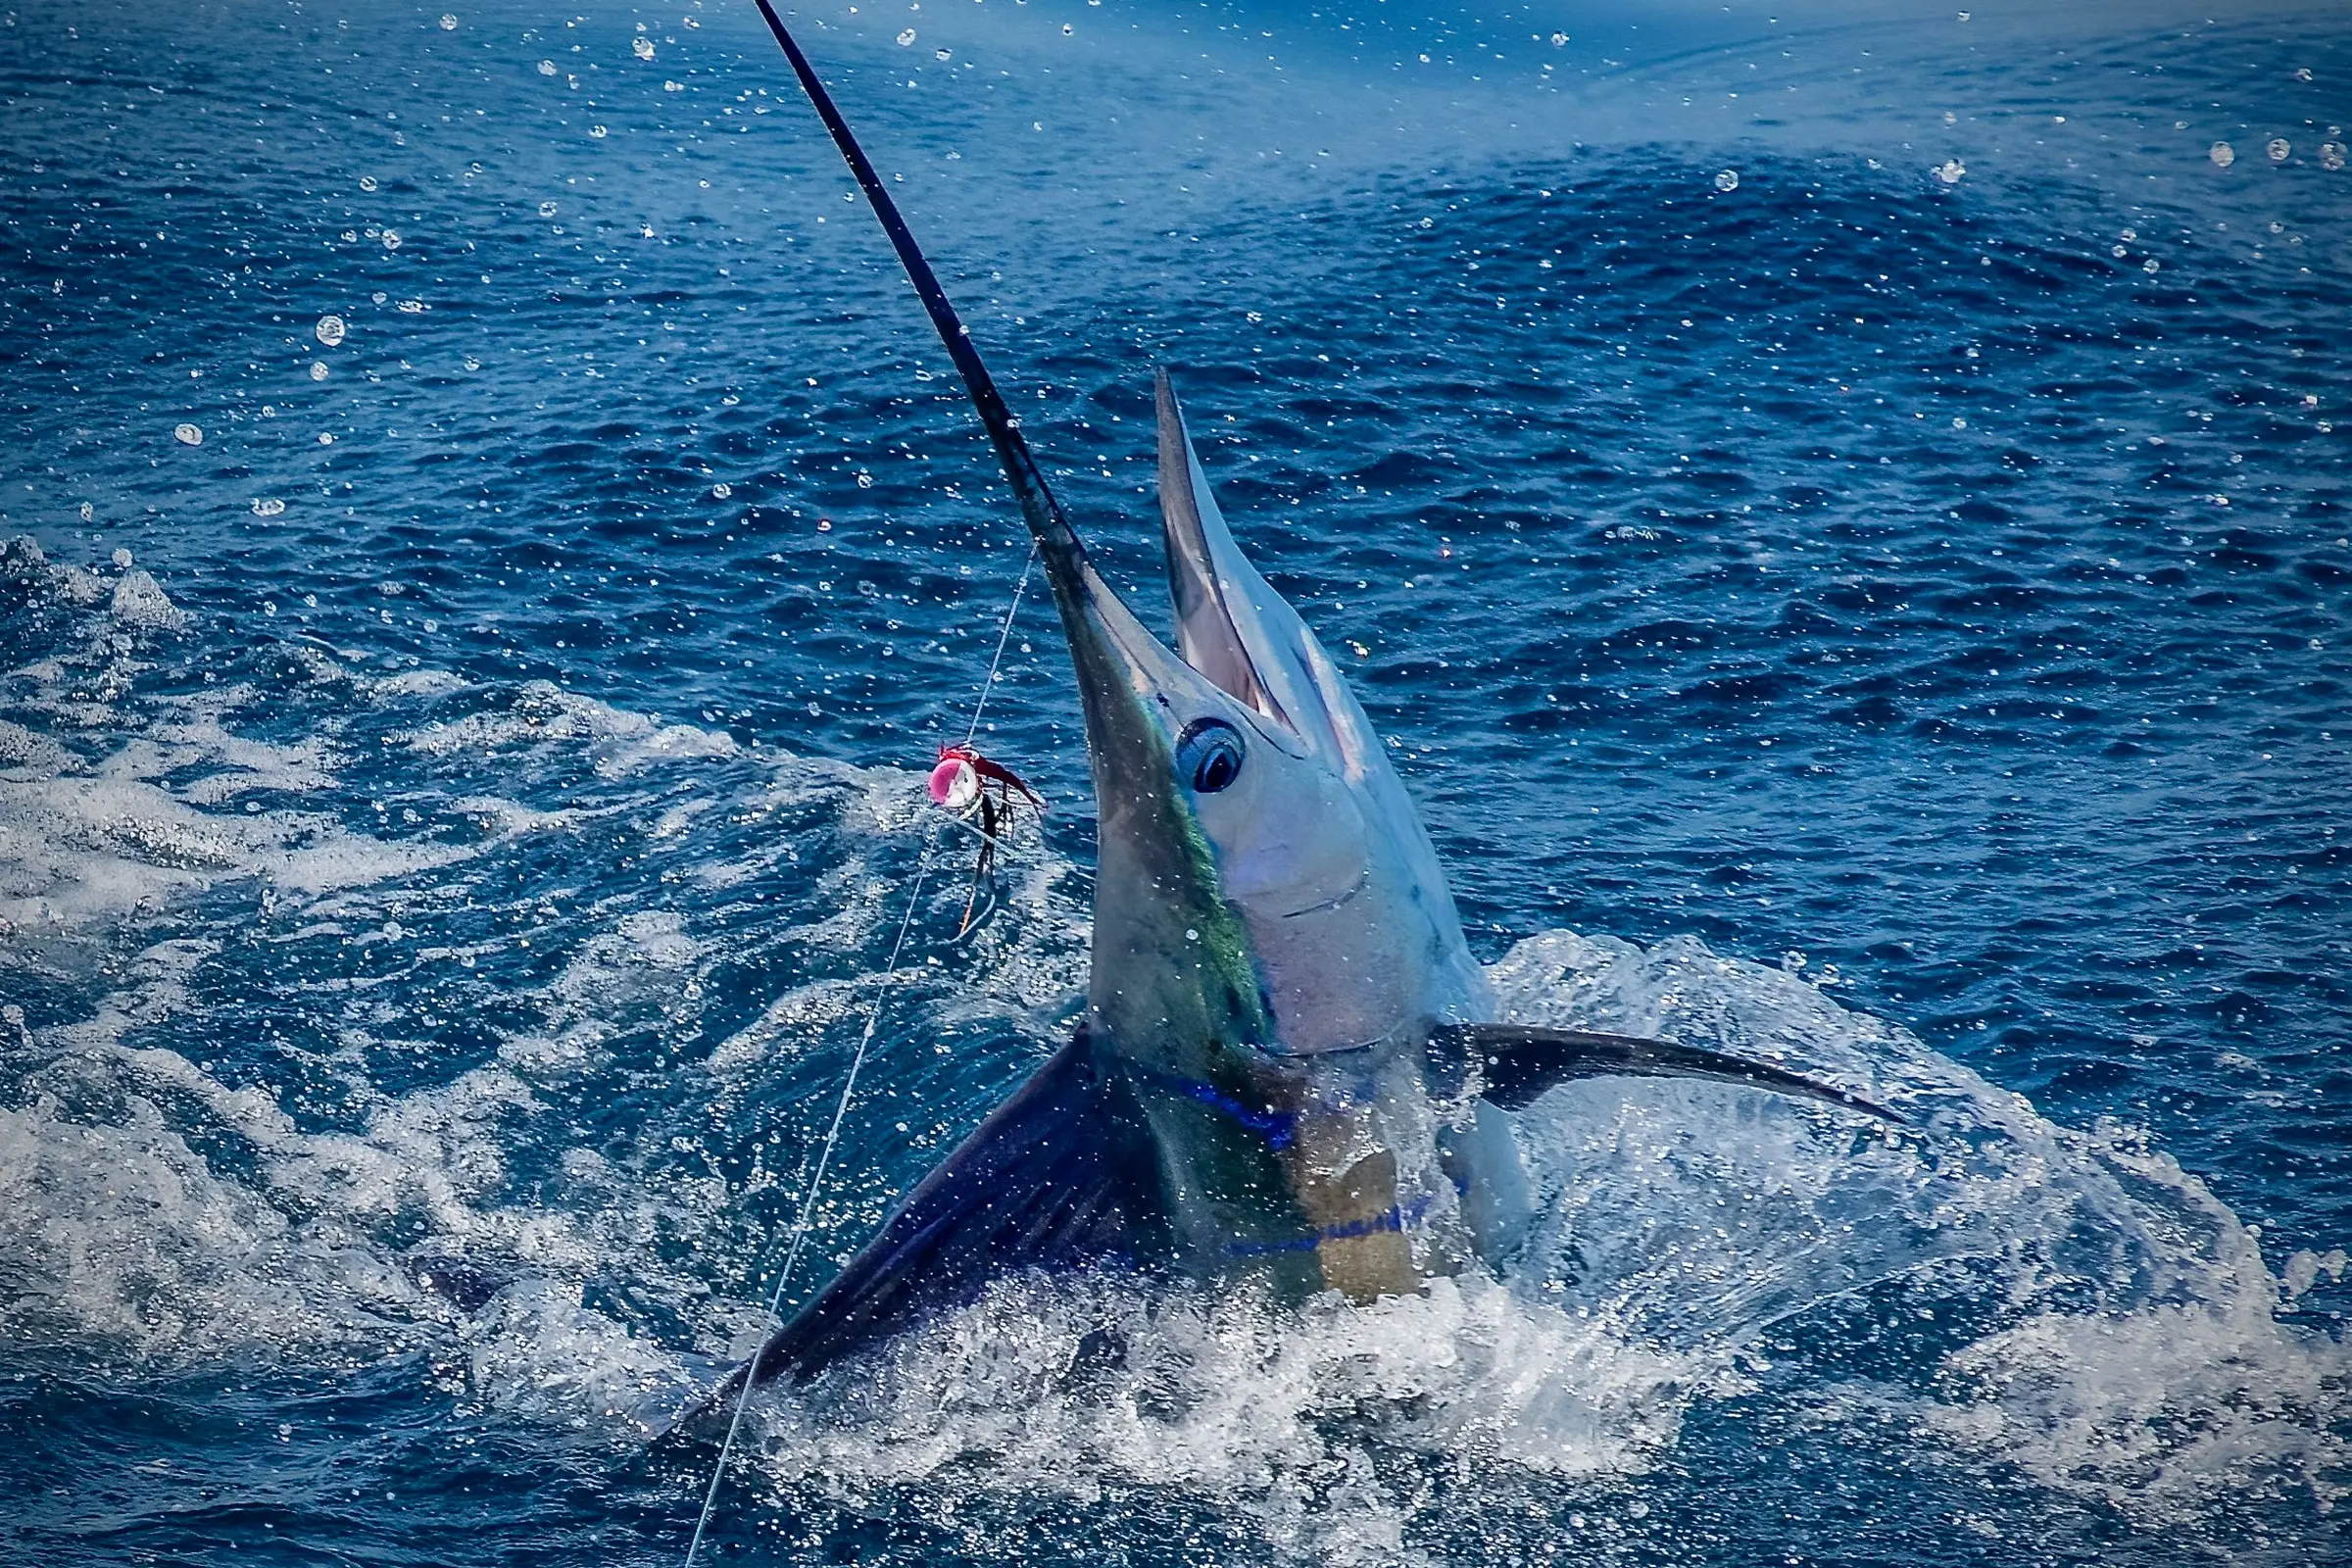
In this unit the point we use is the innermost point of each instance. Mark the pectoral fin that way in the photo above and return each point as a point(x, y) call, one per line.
point(1054, 1178)
point(1510, 1064)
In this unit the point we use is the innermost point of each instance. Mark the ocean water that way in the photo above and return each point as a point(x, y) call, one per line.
point(1841, 513)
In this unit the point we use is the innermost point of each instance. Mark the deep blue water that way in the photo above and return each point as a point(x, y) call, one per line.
point(1894, 610)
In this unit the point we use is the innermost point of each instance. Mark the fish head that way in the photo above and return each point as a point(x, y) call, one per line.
point(1254, 840)
point(1173, 985)
point(1319, 847)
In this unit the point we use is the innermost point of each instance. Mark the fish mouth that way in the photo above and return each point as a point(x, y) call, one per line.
point(1242, 636)
point(1136, 696)
point(1211, 632)
point(1137, 693)
point(1240, 652)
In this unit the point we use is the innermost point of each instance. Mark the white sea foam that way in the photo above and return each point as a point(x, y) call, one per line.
point(138, 601)
point(2174, 1414)
point(1225, 1391)
point(621, 742)
point(2130, 1351)
point(123, 1234)
point(155, 1211)
point(149, 1207)
point(26, 754)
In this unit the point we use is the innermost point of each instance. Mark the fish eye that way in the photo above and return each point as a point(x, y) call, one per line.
point(1209, 754)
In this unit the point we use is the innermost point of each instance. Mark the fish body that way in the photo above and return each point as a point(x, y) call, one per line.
point(1287, 1069)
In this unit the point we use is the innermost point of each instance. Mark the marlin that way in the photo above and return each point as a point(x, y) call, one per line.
point(1287, 1070)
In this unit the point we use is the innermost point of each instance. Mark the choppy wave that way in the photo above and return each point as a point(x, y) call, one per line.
point(437, 902)
point(2067, 1304)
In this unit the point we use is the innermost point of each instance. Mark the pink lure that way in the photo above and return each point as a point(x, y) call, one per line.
point(957, 781)
point(953, 784)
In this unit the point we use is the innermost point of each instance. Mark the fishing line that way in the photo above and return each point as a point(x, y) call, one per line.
point(1004, 632)
point(849, 1084)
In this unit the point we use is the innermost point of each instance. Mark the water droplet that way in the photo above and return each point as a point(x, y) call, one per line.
point(187, 435)
point(547, 67)
point(318, 369)
point(2222, 154)
point(2277, 147)
point(548, 209)
point(331, 330)
point(449, 22)
point(642, 48)
point(1728, 180)
point(268, 507)
point(907, 37)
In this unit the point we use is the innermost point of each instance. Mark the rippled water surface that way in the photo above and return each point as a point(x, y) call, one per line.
point(1841, 513)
